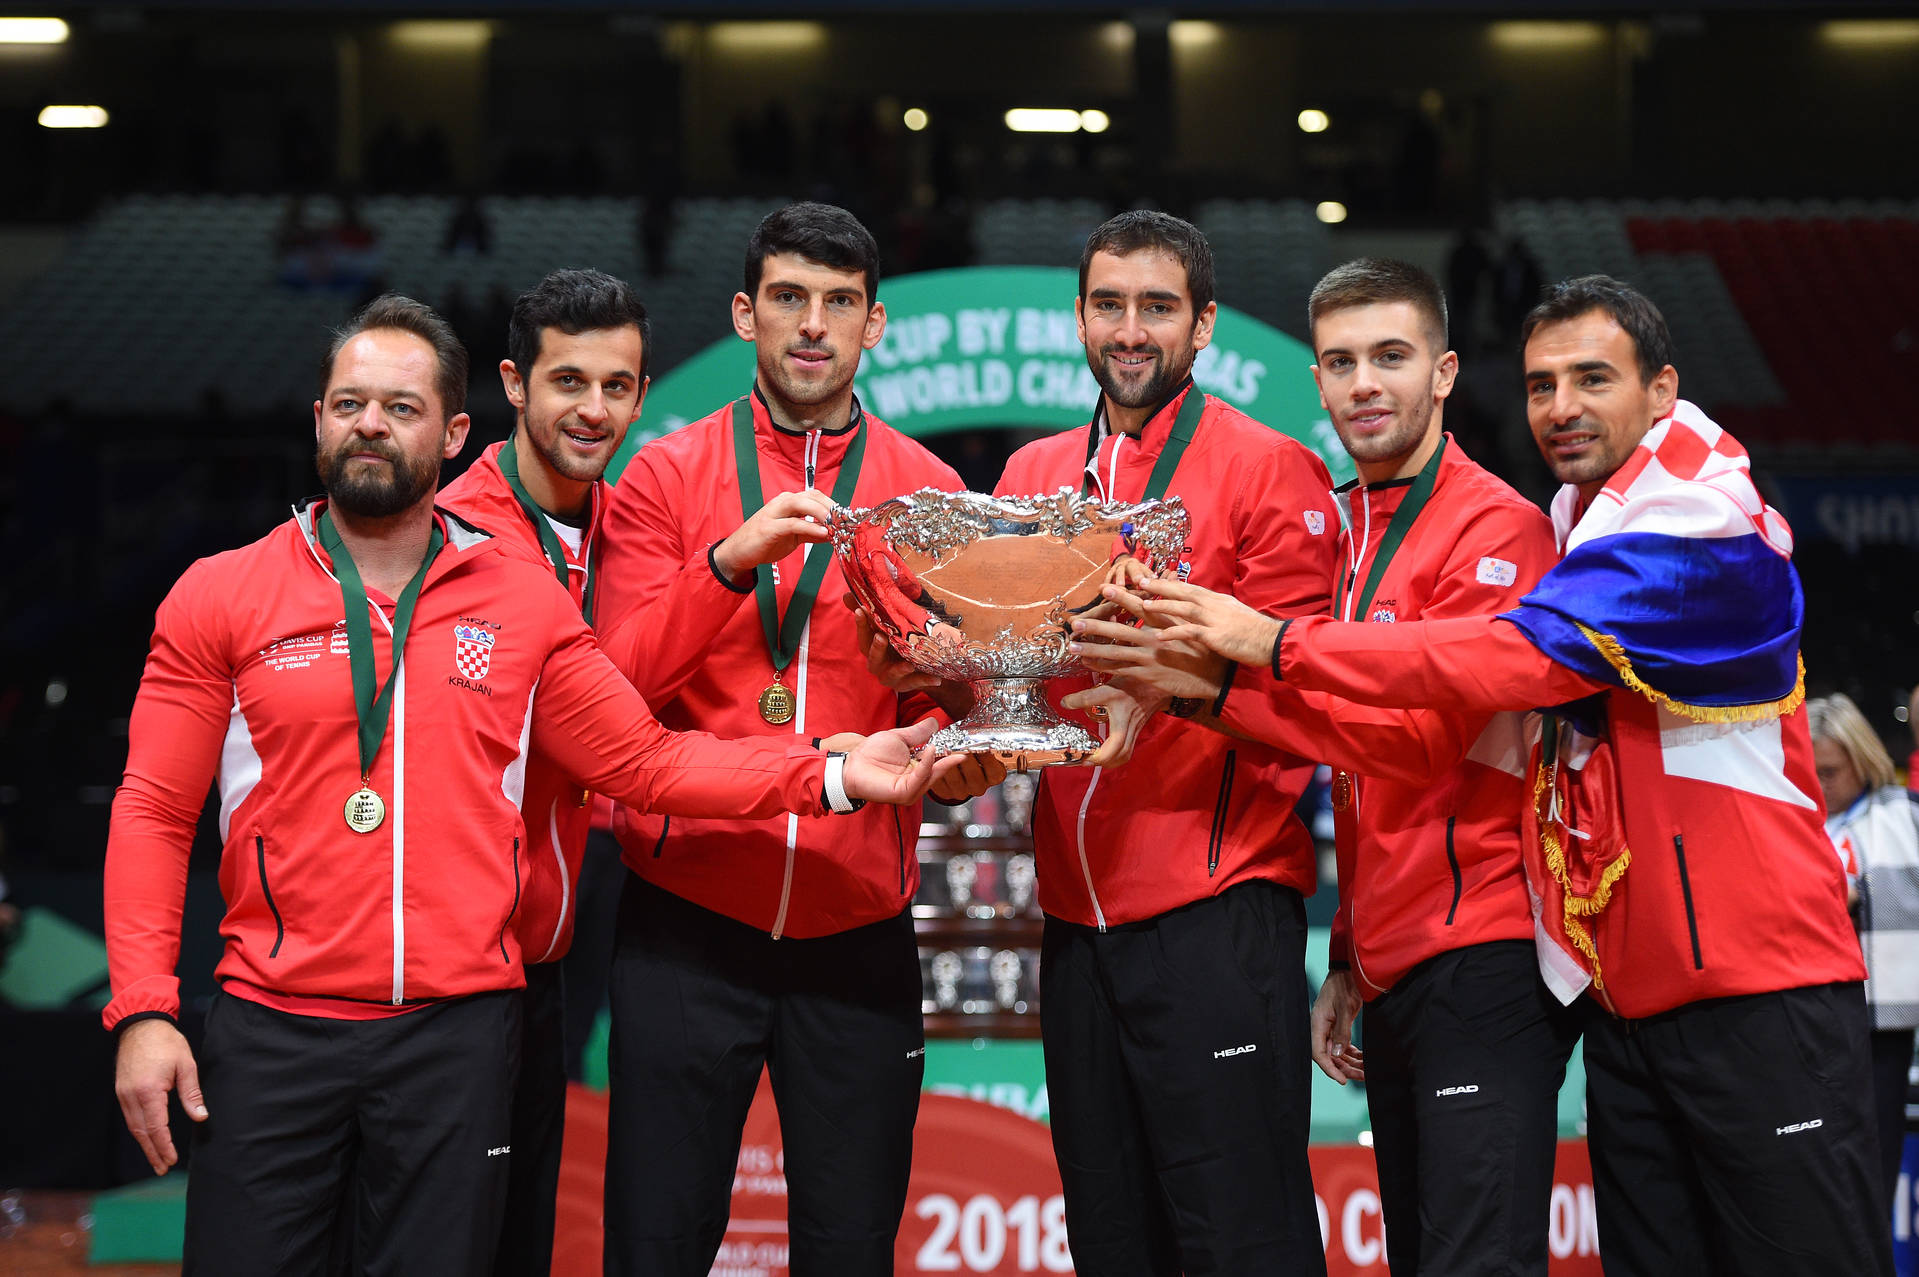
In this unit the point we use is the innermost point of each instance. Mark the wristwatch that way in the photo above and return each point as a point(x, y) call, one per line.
point(834, 789)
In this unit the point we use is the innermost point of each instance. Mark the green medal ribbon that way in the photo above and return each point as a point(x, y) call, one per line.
point(783, 633)
point(1416, 499)
point(1185, 426)
point(375, 710)
point(549, 539)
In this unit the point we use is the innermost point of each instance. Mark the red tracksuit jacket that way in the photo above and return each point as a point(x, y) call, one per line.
point(1733, 887)
point(694, 648)
point(1429, 855)
point(1195, 812)
point(247, 682)
point(558, 812)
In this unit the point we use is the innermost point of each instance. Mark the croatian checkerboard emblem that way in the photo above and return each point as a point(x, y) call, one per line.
point(472, 650)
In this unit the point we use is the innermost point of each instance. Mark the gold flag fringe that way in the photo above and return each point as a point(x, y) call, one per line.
point(1575, 907)
point(1615, 653)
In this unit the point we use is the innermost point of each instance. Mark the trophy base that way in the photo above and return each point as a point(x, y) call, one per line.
point(1012, 721)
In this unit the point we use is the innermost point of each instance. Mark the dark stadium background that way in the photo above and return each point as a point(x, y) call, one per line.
point(1751, 166)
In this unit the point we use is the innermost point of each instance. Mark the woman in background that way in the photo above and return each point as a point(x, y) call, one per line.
point(1875, 827)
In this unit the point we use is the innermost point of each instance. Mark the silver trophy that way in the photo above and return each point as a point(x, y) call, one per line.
point(984, 589)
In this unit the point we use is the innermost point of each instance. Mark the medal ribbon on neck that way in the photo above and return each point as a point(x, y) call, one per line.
point(1416, 498)
point(549, 539)
point(373, 708)
point(783, 633)
point(1185, 426)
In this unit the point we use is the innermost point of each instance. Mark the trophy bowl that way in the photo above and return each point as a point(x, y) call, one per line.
point(984, 590)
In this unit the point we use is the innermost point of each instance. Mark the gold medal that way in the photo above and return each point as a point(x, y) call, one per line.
point(1342, 791)
point(777, 704)
point(365, 811)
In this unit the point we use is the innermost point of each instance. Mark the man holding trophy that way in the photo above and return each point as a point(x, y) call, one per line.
point(752, 942)
point(1173, 1002)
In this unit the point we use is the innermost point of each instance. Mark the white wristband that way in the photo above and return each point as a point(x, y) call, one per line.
point(835, 786)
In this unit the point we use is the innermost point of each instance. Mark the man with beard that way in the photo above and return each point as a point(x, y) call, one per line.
point(1172, 989)
point(576, 376)
point(749, 943)
point(360, 1054)
point(1673, 828)
point(1465, 1046)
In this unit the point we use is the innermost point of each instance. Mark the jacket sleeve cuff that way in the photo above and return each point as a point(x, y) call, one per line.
point(1279, 639)
point(151, 998)
point(1225, 686)
point(713, 562)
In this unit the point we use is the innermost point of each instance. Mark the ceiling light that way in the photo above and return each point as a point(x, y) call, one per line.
point(73, 117)
point(1041, 119)
point(915, 119)
point(32, 31)
point(1313, 121)
point(1534, 37)
point(1095, 121)
point(1331, 212)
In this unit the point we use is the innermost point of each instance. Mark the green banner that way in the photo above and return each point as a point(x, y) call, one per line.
point(997, 346)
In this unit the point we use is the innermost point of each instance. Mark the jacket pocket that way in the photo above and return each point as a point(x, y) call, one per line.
point(279, 923)
point(659, 844)
point(1452, 862)
point(1218, 833)
point(1685, 891)
point(516, 901)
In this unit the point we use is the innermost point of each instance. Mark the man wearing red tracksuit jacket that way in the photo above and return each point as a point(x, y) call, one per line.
point(1466, 1048)
point(1173, 1004)
point(361, 1054)
point(576, 376)
point(1685, 866)
point(749, 942)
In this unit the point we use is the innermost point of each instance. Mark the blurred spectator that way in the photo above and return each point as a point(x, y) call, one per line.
point(1517, 281)
point(1875, 828)
point(468, 232)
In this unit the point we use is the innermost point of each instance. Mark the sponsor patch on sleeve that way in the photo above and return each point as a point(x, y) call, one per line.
point(1316, 522)
point(1497, 572)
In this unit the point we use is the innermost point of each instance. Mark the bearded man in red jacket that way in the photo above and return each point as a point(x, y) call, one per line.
point(1465, 1045)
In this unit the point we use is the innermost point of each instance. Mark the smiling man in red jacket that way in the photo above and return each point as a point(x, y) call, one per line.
point(751, 943)
point(365, 684)
point(1173, 995)
point(1465, 1045)
point(576, 377)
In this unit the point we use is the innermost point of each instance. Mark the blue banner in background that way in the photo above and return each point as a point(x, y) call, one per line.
point(1854, 512)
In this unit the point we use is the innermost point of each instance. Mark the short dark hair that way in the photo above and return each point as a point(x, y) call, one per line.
point(1145, 228)
point(574, 301)
point(822, 233)
point(403, 314)
point(1631, 309)
point(1372, 281)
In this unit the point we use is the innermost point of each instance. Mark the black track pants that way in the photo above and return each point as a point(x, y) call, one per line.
point(700, 1004)
point(1735, 1136)
point(1464, 1059)
point(1176, 1059)
point(400, 1125)
point(539, 1120)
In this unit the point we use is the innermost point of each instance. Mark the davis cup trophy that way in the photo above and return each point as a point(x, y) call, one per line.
point(984, 589)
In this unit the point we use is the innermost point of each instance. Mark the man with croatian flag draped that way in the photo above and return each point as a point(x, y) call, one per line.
point(1675, 829)
point(753, 943)
point(575, 374)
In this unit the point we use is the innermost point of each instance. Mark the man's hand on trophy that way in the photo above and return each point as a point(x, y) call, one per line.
point(776, 529)
point(896, 766)
point(976, 774)
point(1220, 622)
point(898, 673)
point(1142, 655)
point(1126, 708)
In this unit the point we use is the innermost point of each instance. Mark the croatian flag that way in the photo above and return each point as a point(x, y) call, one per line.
point(1677, 582)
